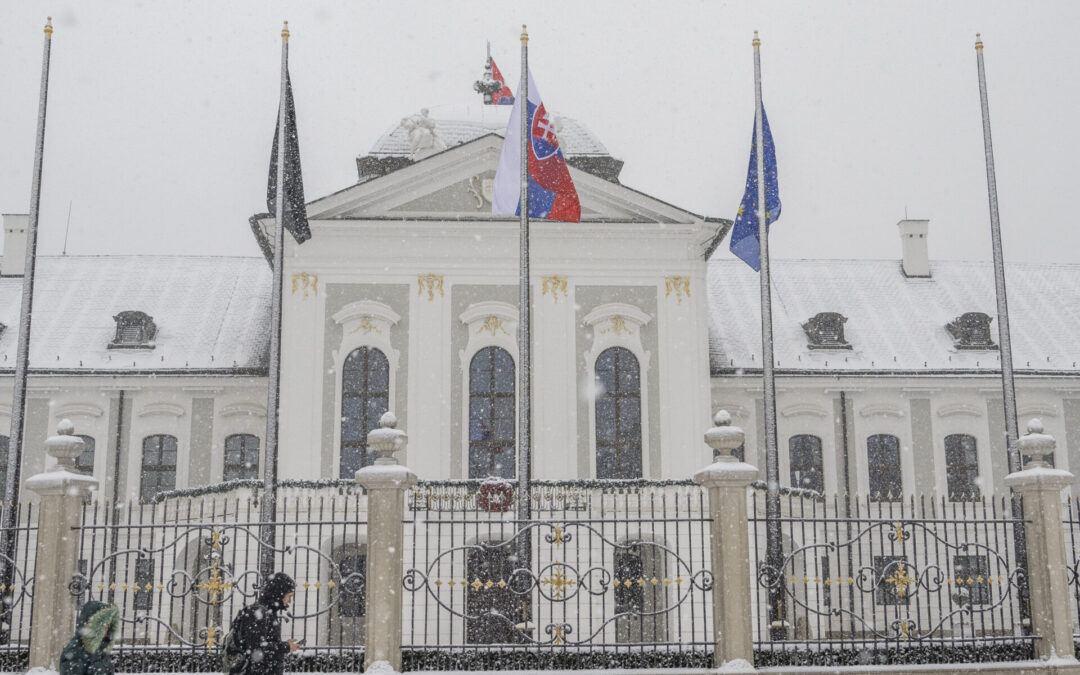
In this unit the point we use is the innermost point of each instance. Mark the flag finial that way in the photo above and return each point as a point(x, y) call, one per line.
point(978, 42)
point(524, 35)
point(757, 40)
point(48, 27)
point(285, 31)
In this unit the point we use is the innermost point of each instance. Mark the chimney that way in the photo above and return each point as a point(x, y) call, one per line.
point(14, 260)
point(916, 260)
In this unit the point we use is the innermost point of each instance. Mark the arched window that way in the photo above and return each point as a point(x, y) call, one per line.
point(241, 457)
point(618, 414)
point(84, 463)
point(962, 467)
point(492, 406)
point(365, 396)
point(886, 475)
point(807, 467)
point(158, 465)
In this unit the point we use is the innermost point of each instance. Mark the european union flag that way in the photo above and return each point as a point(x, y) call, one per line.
point(744, 235)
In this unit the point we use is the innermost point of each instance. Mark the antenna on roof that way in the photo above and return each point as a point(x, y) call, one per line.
point(67, 229)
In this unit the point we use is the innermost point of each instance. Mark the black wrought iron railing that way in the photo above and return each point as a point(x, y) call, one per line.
point(16, 608)
point(180, 570)
point(866, 576)
point(617, 570)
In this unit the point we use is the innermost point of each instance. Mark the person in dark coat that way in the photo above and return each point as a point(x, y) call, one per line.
point(254, 646)
point(95, 632)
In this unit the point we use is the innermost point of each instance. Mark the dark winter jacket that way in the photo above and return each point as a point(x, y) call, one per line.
point(255, 646)
point(95, 632)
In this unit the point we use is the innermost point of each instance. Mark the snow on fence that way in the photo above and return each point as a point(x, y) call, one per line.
point(181, 569)
point(1071, 523)
point(866, 576)
point(613, 573)
point(17, 586)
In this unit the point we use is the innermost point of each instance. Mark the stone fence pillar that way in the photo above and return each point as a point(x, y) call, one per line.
point(62, 494)
point(726, 480)
point(386, 482)
point(1040, 487)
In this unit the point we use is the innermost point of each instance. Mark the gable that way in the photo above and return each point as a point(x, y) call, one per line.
point(450, 186)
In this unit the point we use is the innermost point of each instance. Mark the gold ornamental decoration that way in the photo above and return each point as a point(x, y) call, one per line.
point(492, 324)
point(679, 285)
point(430, 283)
point(554, 284)
point(618, 326)
point(305, 281)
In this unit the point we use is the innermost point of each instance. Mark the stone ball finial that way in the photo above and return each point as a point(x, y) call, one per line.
point(65, 446)
point(387, 439)
point(388, 420)
point(1035, 444)
point(724, 437)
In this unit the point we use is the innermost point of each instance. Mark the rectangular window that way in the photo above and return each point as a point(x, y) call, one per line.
point(971, 584)
point(894, 580)
point(886, 472)
point(962, 467)
point(807, 468)
point(144, 584)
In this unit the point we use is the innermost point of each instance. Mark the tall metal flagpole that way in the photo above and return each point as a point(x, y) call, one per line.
point(773, 541)
point(22, 363)
point(1008, 386)
point(273, 397)
point(524, 458)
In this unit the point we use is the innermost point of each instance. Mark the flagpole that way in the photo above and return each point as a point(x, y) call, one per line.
point(1008, 385)
point(524, 458)
point(273, 397)
point(22, 363)
point(773, 542)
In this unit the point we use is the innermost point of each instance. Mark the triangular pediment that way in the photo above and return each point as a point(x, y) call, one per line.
point(451, 185)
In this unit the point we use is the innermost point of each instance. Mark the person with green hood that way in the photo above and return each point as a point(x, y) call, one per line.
point(95, 632)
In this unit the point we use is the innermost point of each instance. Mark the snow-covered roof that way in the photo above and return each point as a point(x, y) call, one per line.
point(460, 124)
point(212, 313)
point(893, 323)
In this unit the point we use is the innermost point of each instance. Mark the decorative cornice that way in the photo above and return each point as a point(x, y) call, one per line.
point(484, 311)
point(958, 409)
point(734, 409)
point(1038, 409)
point(881, 410)
point(162, 408)
point(78, 410)
point(804, 409)
point(243, 410)
point(365, 309)
point(612, 310)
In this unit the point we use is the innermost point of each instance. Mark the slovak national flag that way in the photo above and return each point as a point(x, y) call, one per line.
point(551, 190)
point(504, 96)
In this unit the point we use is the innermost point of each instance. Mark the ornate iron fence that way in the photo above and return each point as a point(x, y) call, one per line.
point(181, 569)
point(863, 575)
point(17, 589)
point(1071, 521)
point(606, 569)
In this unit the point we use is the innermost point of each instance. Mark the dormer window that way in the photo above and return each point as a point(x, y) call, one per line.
point(971, 331)
point(826, 331)
point(134, 330)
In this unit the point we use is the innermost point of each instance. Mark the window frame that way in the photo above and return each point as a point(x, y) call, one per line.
point(364, 394)
point(226, 466)
point(954, 495)
point(89, 449)
point(492, 395)
point(819, 466)
point(620, 398)
point(158, 469)
point(875, 469)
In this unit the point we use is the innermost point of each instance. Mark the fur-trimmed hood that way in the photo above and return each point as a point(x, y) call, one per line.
point(98, 626)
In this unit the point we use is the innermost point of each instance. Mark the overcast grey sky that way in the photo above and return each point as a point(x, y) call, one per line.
point(161, 114)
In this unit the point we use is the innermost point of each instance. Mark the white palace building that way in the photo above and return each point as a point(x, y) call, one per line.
point(405, 299)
